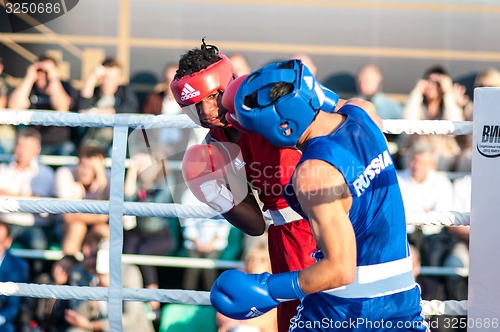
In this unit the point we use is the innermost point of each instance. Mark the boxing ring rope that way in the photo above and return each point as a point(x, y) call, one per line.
point(434, 307)
point(46, 118)
point(51, 118)
point(55, 206)
point(116, 208)
point(427, 127)
point(170, 210)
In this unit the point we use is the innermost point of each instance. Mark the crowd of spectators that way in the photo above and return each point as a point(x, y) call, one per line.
point(425, 163)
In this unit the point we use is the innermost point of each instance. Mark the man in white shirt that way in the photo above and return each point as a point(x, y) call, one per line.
point(26, 177)
point(369, 85)
point(424, 189)
point(457, 287)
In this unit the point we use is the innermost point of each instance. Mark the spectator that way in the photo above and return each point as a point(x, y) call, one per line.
point(146, 182)
point(433, 98)
point(203, 238)
point(26, 177)
point(424, 189)
point(48, 314)
point(93, 315)
point(458, 256)
point(257, 261)
point(170, 140)
point(4, 88)
point(462, 194)
point(162, 102)
point(7, 132)
point(42, 89)
point(85, 273)
point(103, 93)
point(422, 281)
point(12, 269)
point(369, 84)
point(369, 81)
point(487, 78)
point(416, 260)
point(88, 180)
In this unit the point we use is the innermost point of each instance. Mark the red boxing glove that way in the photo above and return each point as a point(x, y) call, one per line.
point(228, 102)
point(215, 174)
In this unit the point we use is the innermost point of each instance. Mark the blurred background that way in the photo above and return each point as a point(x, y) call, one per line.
point(402, 37)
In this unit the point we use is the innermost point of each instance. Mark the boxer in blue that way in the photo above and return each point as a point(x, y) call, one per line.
point(345, 185)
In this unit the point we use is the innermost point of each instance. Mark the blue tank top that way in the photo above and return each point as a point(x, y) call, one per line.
point(358, 149)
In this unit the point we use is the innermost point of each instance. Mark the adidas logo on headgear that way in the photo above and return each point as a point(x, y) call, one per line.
point(189, 92)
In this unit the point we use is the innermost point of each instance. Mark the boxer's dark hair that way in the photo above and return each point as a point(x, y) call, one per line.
point(197, 59)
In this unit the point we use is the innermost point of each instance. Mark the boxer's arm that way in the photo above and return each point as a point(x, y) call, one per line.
point(243, 296)
point(247, 217)
point(326, 207)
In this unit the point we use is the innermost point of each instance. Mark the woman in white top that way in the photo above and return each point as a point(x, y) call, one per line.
point(432, 98)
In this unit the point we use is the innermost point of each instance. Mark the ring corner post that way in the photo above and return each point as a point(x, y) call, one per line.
point(484, 288)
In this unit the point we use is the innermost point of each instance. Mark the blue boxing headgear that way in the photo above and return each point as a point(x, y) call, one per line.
point(283, 121)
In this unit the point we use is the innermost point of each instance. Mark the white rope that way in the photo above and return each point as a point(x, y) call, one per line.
point(427, 127)
point(444, 271)
point(172, 210)
point(429, 308)
point(175, 165)
point(101, 293)
point(438, 218)
point(56, 206)
point(438, 308)
point(46, 118)
point(69, 119)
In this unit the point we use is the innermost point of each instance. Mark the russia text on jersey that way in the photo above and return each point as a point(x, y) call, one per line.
point(378, 164)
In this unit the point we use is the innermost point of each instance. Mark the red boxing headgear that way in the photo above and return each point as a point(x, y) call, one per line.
point(191, 89)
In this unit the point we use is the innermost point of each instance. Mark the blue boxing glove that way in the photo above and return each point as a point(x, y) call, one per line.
point(238, 295)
